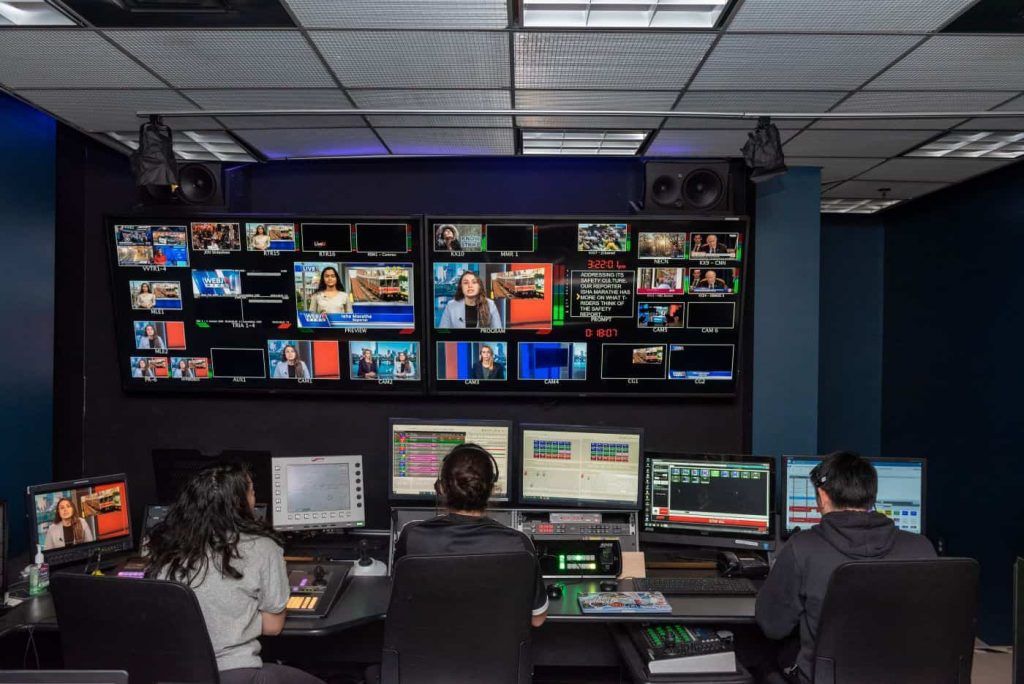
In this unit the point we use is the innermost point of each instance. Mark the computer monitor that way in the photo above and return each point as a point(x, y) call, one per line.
point(1018, 621)
point(901, 489)
point(3, 549)
point(317, 492)
point(75, 519)
point(711, 500)
point(580, 466)
point(419, 446)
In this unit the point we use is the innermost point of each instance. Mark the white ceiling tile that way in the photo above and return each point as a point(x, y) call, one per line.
point(219, 59)
point(618, 100)
point(67, 58)
point(858, 189)
point(845, 15)
point(910, 101)
point(112, 110)
point(270, 98)
point(959, 62)
point(940, 170)
point(936, 125)
point(697, 143)
point(758, 102)
point(293, 121)
point(603, 122)
point(746, 124)
point(314, 142)
point(401, 14)
point(798, 62)
point(416, 59)
point(835, 168)
point(449, 141)
point(623, 60)
point(1003, 124)
point(830, 143)
point(436, 99)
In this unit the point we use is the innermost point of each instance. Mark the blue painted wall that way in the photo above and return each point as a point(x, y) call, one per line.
point(786, 314)
point(27, 191)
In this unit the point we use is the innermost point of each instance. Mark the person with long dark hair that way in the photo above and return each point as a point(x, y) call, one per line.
point(290, 365)
point(467, 478)
point(330, 296)
point(404, 367)
point(67, 528)
point(150, 339)
point(212, 542)
point(470, 307)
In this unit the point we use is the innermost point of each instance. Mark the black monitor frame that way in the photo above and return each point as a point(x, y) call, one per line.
point(3, 547)
point(597, 504)
point(511, 462)
point(1018, 621)
point(785, 533)
point(727, 539)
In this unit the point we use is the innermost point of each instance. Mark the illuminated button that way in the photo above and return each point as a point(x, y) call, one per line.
point(307, 516)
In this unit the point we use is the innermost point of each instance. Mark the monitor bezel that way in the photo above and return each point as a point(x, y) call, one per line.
point(4, 511)
point(80, 552)
point(356, 488)
point(727, 539)
point(597, 504)
point(786, 533)
point(511, 465)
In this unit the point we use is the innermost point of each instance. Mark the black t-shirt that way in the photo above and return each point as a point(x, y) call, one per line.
point(467, 534)
point(472, 320)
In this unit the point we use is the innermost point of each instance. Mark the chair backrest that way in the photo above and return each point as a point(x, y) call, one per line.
point(898, 622)
point(460, 619)
point(153, 629)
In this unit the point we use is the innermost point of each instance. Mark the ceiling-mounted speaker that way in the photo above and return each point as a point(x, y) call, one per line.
point(200, 184)
point(709, 187)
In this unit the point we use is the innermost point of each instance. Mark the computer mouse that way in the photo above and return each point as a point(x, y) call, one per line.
point(554, 591)
point(609, 585)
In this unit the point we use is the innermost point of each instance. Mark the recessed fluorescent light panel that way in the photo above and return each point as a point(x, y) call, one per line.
point(855, 206)
point(32, 13)
point(616, 143)
point(976, 145)
point(196, 146)
point(695, 14)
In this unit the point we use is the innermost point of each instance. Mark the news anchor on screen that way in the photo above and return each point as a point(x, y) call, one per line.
point(260, 241)
point(710, 281)
point(142, 369)
point(404, 368)
point(145, 299)
point(183, 370)
point(290, 365)
point(67, 528)
point(712, 247)
point(470, 308)
point(329, 297)
point(487, 368)
point(367, 366)
point(150, 340)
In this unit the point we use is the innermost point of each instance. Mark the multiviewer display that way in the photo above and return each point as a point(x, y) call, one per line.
point(265, 303)
point(585, 306)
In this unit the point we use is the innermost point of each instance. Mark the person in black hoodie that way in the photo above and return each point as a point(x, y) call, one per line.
point(850, 530)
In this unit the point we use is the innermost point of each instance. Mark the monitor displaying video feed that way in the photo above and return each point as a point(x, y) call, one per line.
point(256, 303)
point(584, 306)
point(317, 492)
point(418, 448)
point(580, 466)
point(73, 520)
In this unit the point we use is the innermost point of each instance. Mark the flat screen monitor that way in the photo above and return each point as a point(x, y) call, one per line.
point(3, 548)
point(1018, 621)
point(419, 446)
point(709, 500)
point(901, 490)
point(317, 492)
point(72, 520)
point(580, 466)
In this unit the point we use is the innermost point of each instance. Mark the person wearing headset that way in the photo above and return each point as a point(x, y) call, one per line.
point(467, 478)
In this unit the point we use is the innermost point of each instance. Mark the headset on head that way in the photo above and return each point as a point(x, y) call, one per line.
point(818, 476)
point(472, 447)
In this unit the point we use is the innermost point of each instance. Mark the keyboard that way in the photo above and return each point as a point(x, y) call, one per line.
point(696, 585)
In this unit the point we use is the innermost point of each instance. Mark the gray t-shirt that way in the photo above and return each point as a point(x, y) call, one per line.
point(231, 607)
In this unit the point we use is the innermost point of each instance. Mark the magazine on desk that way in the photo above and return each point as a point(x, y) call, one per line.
point(624, 602)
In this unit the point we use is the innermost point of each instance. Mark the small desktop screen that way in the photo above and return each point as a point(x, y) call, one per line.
point(317, 492)
point(900, 497)
point(72, 520)
point(727, 496)
point(581, 466)
point(419, 446)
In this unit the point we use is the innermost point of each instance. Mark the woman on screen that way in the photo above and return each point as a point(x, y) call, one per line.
point(67, 528)
point(367, 367)
point(260, 241)
point(149, 339)
point(329, 297)
point(211, 541)
point(183, 371)
point(487, 368)
point(142, 369)
point(470, 307)
point(447, 239)
point(404, 368)
point(290, 365)
point(145, 299)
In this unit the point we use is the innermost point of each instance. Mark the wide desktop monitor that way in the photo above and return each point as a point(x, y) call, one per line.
point(580, 466)
point(75, 519)
point(709, 500)
point(419, 446)
point(901, 492)
point(318, 492)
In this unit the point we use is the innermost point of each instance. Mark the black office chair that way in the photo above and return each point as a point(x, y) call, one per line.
point(459, 619)
point(153, 629)
point(898, 622)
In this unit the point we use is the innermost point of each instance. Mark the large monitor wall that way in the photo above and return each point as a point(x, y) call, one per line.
point(446, 305)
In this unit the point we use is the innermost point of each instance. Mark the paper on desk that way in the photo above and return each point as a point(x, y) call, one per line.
point(633, 564)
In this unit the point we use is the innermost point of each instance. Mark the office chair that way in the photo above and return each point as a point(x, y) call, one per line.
point(459, 619)
point(898, 622)
point(153, 629)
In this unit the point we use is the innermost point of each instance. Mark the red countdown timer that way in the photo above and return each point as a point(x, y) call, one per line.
point(603, 333)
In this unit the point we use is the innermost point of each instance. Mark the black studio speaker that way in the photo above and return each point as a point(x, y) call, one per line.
point(699, 187)
point(200, 184)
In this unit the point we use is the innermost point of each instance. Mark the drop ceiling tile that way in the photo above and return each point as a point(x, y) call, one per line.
point(270, 98)
point(67, 58)
point(939, 170)
point(698, 143)
point(416, 59)
point(626, 60)
point(603, 122)
point(858, 189)
point(449, 141)
point(619, 100)
point(435, 99)
point(959, 62)
point(798, 62)
point(234, 59)
point(923, 101)
point(1002, 124)
point(846, 15)
point(835, 168)
point(113, 110)
point(829, 143)
point(290, 121)
point(314, 142)
point(758, 101)
point(936, 125)
point(401, 14)
point(746, 124)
